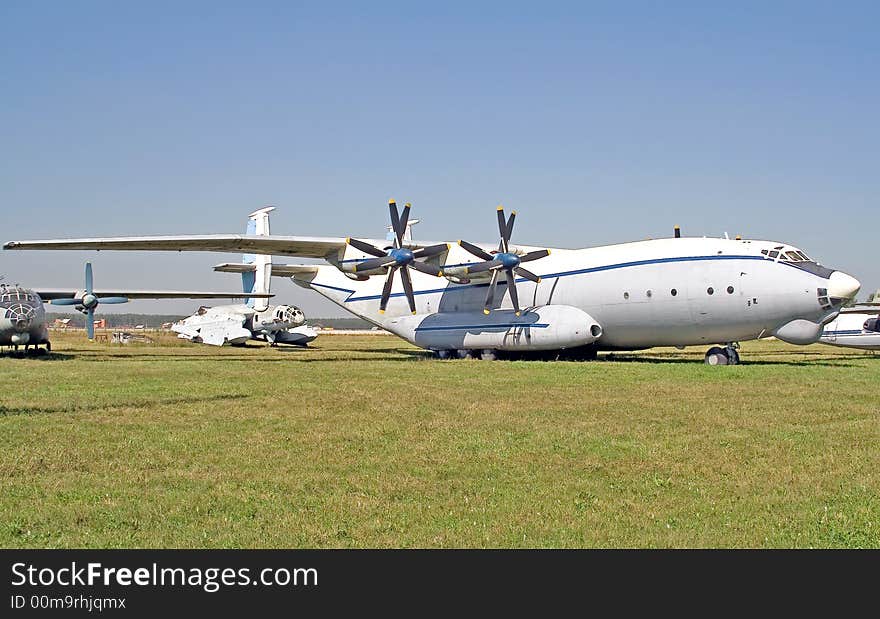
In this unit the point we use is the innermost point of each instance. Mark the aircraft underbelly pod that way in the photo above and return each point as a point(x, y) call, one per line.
point(799, 331)
point(550, 327)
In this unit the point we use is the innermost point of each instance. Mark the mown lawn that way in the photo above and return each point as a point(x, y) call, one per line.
point(363, 442)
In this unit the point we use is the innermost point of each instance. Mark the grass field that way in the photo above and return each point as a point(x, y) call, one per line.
point(364, 442)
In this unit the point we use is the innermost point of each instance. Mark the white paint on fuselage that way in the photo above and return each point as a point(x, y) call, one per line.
point(847, 330)
point(627, 288)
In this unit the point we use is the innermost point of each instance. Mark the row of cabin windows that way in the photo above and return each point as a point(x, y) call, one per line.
point(791, 256)
point(674, 292)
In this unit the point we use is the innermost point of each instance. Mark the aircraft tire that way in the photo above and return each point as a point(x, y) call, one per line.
point(463, 354)
point(488, 355)
point(716, 356)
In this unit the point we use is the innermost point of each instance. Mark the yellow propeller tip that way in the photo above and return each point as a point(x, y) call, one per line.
point(440, 274)
point(485, 311)
point(347, 240)
point(392, 201)
point(500, 207)
point(539, 280)
point(381, 311)
point(513, 212)
point(407, 205)
point(518, 313)
point(549, 252)
point(459, 242)
point(414, 313)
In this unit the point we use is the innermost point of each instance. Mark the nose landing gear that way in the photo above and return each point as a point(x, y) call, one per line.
point(727, 355)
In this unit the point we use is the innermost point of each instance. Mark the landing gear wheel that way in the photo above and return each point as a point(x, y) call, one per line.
point(488, 355)
point(443, 354)
point(463, 354)
point(42, 352)
point(716, 356)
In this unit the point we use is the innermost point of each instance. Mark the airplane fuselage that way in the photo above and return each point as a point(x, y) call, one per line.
point(853, 331)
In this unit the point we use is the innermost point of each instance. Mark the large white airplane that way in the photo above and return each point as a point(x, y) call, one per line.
point(855, 327)
point(256, 319)
point(478, 299)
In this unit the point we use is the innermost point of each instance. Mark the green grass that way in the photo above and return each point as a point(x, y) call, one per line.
point(363, 442)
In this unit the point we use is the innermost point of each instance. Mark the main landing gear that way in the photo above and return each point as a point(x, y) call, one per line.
point(727, 355)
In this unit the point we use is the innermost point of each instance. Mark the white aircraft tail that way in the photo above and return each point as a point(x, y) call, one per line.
point(257, 281)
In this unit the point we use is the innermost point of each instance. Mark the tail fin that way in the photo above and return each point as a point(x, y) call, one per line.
point(257, 281)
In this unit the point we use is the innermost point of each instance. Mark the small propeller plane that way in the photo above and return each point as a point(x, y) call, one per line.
point(855, 327)
point(466, 299)
point(23, 315)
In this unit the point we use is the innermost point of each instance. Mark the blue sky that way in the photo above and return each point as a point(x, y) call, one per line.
point(598, 122)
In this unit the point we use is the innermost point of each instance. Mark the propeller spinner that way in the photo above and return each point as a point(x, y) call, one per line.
point(398, 258)
point(504, 260)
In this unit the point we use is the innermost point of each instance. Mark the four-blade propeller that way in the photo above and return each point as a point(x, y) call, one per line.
point(398, 258)
point(88, 301)
point(503, 260)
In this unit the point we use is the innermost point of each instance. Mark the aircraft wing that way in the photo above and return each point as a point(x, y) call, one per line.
point(49, 295)
point(216, 332)
point(862, 308)
point(300, 246)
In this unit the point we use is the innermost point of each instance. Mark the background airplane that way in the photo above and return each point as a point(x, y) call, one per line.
point(855, 327)
point(256, 319)
point(23, 315)
point(662, 292)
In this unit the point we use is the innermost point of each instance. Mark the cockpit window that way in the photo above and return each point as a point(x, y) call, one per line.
point(793, 256)
point(872, 324)
point(804, 256)
point(774, 254)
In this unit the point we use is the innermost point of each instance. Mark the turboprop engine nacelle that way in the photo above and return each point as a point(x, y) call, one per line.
point(279, 318)
point(549, 327)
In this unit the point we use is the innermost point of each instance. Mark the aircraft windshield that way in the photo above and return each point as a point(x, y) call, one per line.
point(789, 255)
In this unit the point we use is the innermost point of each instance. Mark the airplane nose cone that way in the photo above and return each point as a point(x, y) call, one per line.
point(843, 286)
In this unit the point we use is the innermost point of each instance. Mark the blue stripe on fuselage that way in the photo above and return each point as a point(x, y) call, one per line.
point(609, 267)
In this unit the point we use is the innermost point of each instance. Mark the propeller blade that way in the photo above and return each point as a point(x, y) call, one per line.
point(479, 253)
point(430, 269)
point(408, 289)
point(527, 274)
point(535, 255)
point(511, 287)
point(386, 292)
point(66, 301)
point(404, 219)
point(90, 319)
point(482, 267)
point(510, 221)
point(502, 227)
point(366, 247)
point(88, 278)
point(113, 300)
point(431, 251)
point(490, 296)
point(374, 263)
point(395, 221)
